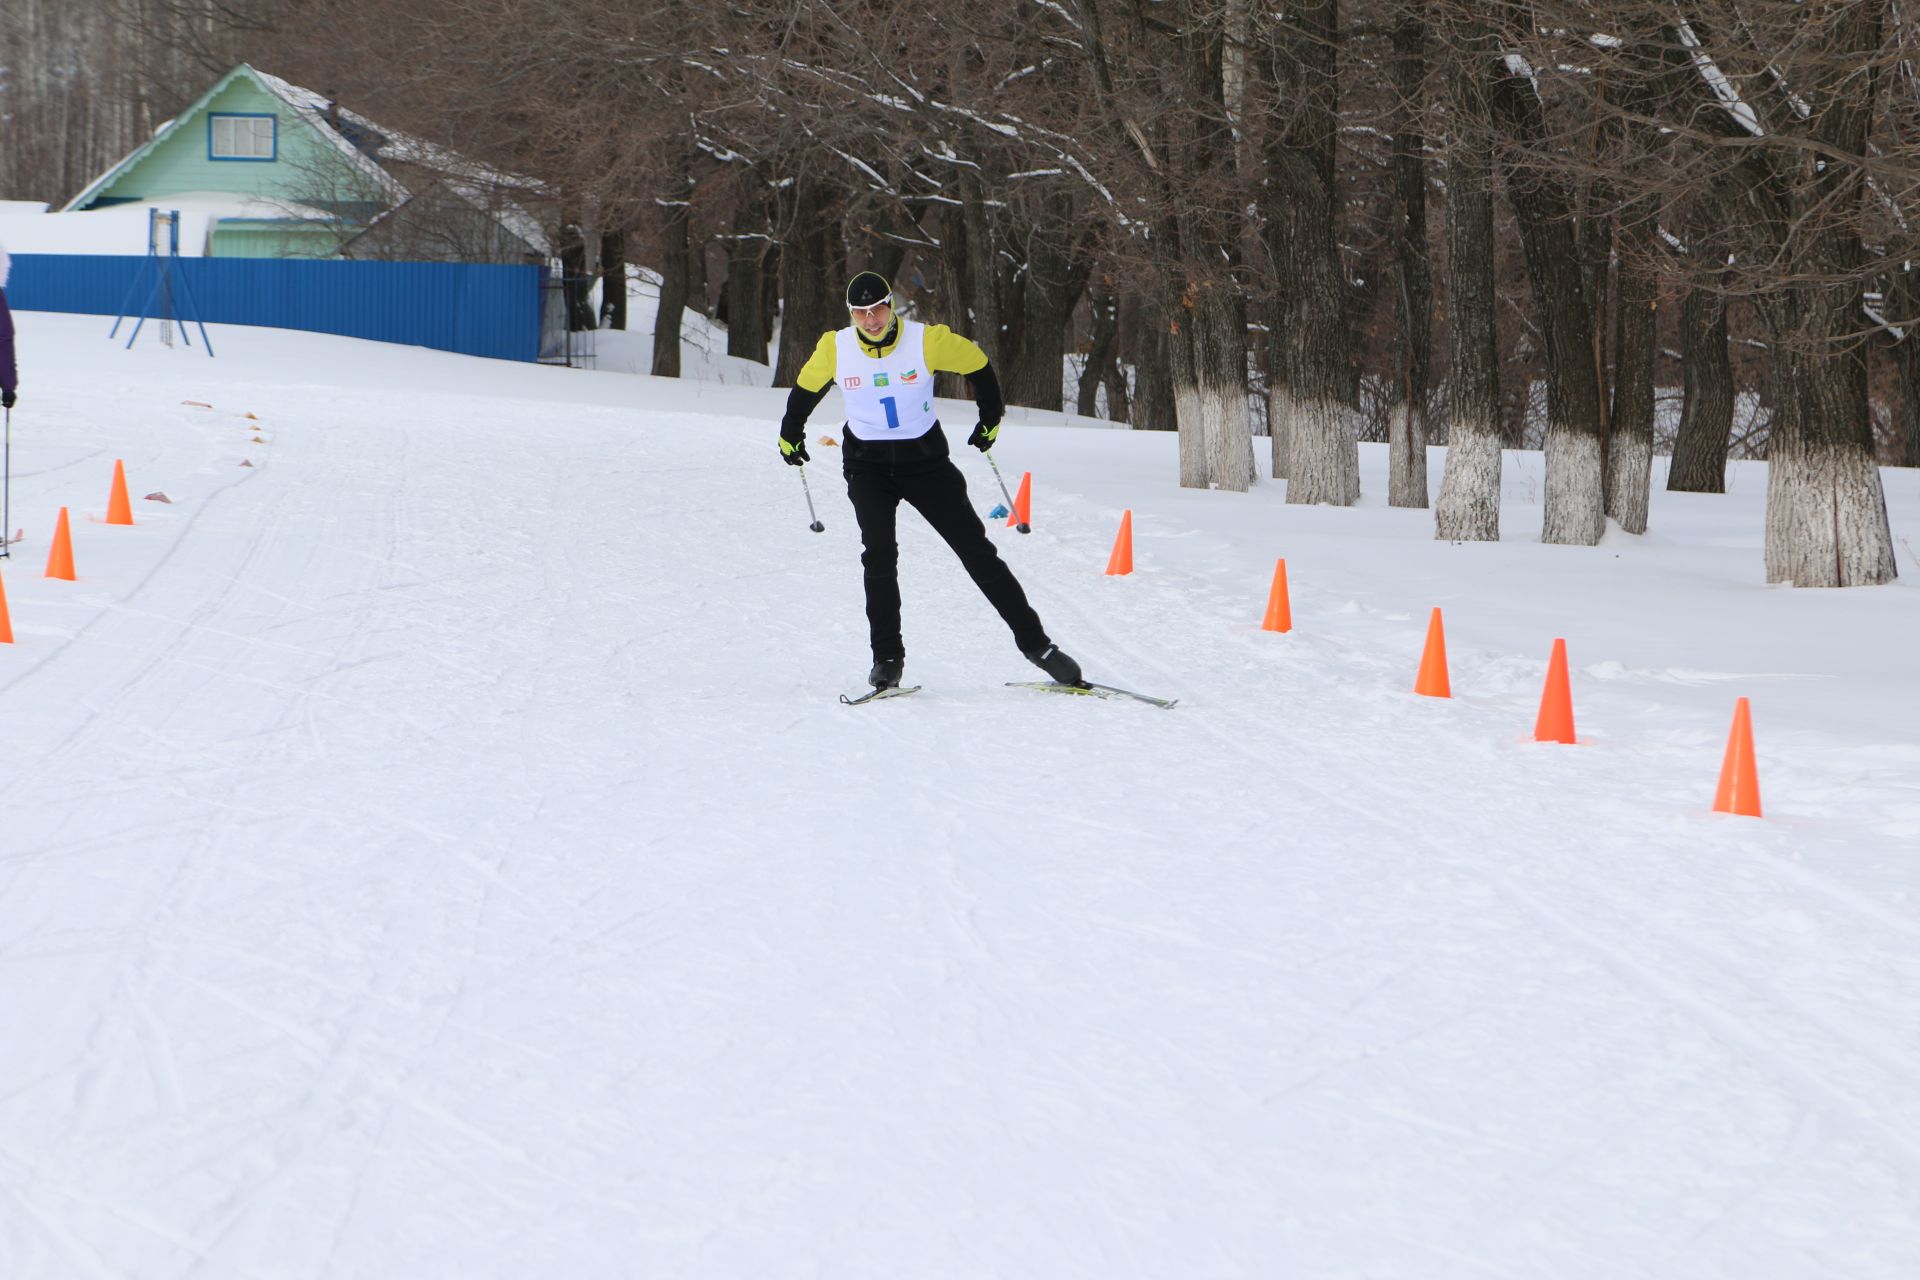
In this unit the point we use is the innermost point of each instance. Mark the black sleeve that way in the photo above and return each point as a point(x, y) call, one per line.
point(800, 406)
point(986, 394)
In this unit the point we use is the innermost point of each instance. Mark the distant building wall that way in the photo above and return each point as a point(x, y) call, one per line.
point(261, 238)
point(475, 309)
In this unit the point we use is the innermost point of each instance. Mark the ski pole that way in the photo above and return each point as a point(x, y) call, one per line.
point(6, 493)
point(807, 489)
point(1023, 526)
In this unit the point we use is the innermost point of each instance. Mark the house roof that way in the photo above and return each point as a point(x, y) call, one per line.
point(309, 107)
point(364, 145)
point(327, 119)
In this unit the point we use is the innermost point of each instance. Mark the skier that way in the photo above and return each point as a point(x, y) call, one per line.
point(9, 370)
point(894, 449)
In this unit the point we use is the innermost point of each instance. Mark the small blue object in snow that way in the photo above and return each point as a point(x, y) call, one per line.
point(998, 513)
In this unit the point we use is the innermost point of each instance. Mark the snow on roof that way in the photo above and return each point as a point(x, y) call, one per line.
point(313, 108)
point(512, 216)
point(479, 184)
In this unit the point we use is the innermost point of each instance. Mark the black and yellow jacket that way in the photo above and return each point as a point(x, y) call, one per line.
point(946, 351)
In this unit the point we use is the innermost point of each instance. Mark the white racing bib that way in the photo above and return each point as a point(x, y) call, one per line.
point(890, 398)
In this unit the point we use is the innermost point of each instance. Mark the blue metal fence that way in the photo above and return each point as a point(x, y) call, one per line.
point(474, 309)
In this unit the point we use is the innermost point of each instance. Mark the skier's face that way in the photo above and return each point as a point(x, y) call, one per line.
point(873, 320)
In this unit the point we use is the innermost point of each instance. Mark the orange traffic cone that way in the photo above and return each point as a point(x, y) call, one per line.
point(1121, 561)
point(1022, 501)
point(60, 558)
point(6, 622)
point(1555, 723)
point(119, 510)
point(1432, 680)
point(1739, 781)
point(1279, 612)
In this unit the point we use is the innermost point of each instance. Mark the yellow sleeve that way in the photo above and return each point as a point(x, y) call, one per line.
point(817, 373)
point(948, 352)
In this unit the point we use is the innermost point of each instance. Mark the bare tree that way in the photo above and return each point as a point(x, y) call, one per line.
point(1411, 273)
point(1630, 428)
point(675, 274)
point(1706, 411)
point(1219, 160)
point(1906, 353)
point(1799, 136)
point(1469, 506)
point(1322, 463)
point(1166, 104)
point(1563, 302)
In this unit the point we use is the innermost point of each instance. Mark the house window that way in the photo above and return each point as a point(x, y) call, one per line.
point(236, 137)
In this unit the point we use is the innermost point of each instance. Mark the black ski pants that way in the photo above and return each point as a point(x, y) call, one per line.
point(882, 473)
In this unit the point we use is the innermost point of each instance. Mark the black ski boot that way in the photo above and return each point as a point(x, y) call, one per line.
point(1057, 664)
point(886, 673)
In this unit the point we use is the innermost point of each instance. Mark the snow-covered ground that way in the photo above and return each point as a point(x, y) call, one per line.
point(437, 850)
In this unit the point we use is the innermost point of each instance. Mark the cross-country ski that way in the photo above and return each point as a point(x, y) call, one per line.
point(877, 695)
point(1090, 689)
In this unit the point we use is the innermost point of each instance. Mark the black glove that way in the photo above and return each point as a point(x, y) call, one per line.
point(989, 404)
point(793, 446)
point(8, 399)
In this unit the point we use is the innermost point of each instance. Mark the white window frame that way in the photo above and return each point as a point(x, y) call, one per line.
point(240, 136)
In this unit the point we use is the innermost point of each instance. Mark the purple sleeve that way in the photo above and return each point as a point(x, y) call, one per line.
point(9, 372)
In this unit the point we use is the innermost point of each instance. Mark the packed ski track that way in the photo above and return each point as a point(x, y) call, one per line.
point(438, 849)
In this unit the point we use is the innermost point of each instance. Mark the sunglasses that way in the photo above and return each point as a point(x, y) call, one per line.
point(864, 312)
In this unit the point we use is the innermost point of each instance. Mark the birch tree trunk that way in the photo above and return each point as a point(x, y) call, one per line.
point(1468, 509)
point(1323, 455)
point(1279, 419)
point(1826, 511)
point(1412, 273)
point(1183, 381)
point(1575, 498)
point(1279, 401)
point(1206, 335)
point(1207, 343)
point(1630, 437)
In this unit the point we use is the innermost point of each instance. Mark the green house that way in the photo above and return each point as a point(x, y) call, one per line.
point(285, 173)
